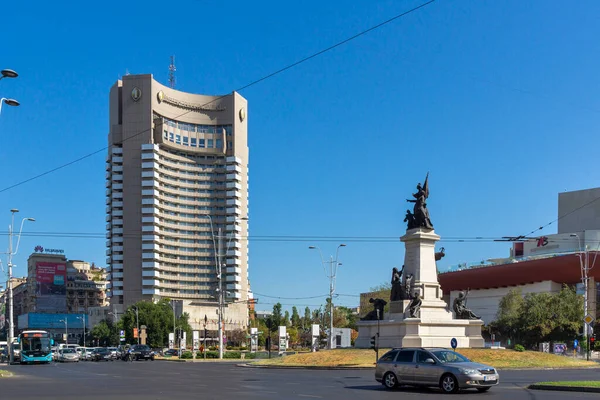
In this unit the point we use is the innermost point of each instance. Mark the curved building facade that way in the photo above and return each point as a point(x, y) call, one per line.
point(177, 188)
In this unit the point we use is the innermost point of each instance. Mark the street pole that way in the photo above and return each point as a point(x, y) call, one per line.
point(205, 344)
point(11, 325)
point(11, 253)
point(66, 331)
point(333, 265)
point(220, 278)
point(377, 342)
point(332, 277)
point(82, 318)
point(173, 306)
point(137, 320)
point(583, 262)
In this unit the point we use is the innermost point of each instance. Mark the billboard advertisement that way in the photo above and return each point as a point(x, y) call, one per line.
point(51, 291)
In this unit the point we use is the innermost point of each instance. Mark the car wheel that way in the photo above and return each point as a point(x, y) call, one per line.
point(484, 389)
point(449, 384)
point(390, 381)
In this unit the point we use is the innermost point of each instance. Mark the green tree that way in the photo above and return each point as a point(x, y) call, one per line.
point(540, 317)
point(158, 319)
point(296, 318)
point(508, 317)
point(343, 317)
point(104, 334)
point(277, 317)
point(307, 320)
point(286, 319)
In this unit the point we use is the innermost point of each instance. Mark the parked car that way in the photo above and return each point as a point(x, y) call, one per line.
point(68, 355)
point(142, 352)
point(433, 367)
point(102, 354)
point(171, 353)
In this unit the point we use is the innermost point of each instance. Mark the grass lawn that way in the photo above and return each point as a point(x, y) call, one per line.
point(4, 373)
point(594, 384)
point(366, 358)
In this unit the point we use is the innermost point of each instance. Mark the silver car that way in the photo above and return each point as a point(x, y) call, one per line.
point(68, 355)
point(434, 367)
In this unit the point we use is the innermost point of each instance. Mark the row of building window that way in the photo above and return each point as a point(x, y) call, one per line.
point(202, 143)
point(183, 126)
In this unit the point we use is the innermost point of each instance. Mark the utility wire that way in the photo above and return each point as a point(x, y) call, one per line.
point(563, 216)
point(303, 60)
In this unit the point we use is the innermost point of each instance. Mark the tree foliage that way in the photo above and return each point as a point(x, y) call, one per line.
point(540, 317)
point(158, 318)
point(296, 318)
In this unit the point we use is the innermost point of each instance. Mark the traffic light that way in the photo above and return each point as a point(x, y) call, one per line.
point(374, 342)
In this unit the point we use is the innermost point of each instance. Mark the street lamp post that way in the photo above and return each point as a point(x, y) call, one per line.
point(137, 322)
point(584, 265)
point(173, 307)
point(10, 254)
point(82, 319)
point(66, 330)
point(333, 265)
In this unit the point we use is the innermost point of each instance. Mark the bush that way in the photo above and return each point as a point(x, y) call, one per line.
point(187, 355)
point(231, 354)
point(519, 347)
point(212, 354)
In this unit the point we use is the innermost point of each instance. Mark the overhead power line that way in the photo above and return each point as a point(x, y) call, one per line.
point(277, 72)
point(563, 216)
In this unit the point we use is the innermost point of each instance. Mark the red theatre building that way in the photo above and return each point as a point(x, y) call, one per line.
point(537, 265)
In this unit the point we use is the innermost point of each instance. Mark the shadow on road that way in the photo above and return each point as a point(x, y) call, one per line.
point(404, 389)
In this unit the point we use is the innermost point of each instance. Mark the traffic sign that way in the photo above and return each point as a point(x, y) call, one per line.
point(588, 319)
point(454, 343)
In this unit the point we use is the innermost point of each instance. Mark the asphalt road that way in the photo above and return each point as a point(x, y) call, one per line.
point(168, 380)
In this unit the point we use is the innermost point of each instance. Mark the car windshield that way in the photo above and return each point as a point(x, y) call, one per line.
point(447, 356)
point(141, 347)
point(68, 351)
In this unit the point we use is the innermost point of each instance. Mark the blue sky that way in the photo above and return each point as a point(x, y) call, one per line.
point(497, 100)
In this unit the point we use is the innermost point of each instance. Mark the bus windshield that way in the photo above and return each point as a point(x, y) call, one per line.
point(35, 344)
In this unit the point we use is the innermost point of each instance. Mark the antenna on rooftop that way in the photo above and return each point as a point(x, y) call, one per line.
point(172, 70)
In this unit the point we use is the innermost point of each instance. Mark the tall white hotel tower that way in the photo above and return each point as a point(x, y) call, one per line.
point(177, 164)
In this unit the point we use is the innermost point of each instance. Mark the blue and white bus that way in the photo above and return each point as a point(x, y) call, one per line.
point(35, 347)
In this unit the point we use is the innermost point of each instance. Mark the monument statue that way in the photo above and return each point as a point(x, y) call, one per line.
point(460, 307)
point(440, 254)
point(378, 305)
point(410, 220)
point(415, 306)
point(408, 286)
point(396, 293)
point(420, 212)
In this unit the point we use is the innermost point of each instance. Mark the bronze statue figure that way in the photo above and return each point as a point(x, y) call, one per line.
point(415, 306)
point(420, 211)
point(440, 254)
point(408, 286)
point(410, 220)
point(377, 312)
point(396, 293)
point(460, 307)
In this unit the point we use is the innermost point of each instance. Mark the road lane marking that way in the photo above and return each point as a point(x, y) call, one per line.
point(310, 395)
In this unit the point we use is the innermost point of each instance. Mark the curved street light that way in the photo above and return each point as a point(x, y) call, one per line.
point(8, 102)
point(8, 73)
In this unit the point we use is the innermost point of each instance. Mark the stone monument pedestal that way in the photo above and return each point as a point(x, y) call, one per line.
point(435, 325)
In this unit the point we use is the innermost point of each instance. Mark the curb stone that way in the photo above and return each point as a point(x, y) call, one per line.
point(565, 388)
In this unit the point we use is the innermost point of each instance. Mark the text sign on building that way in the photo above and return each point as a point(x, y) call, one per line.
point(40, 249)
